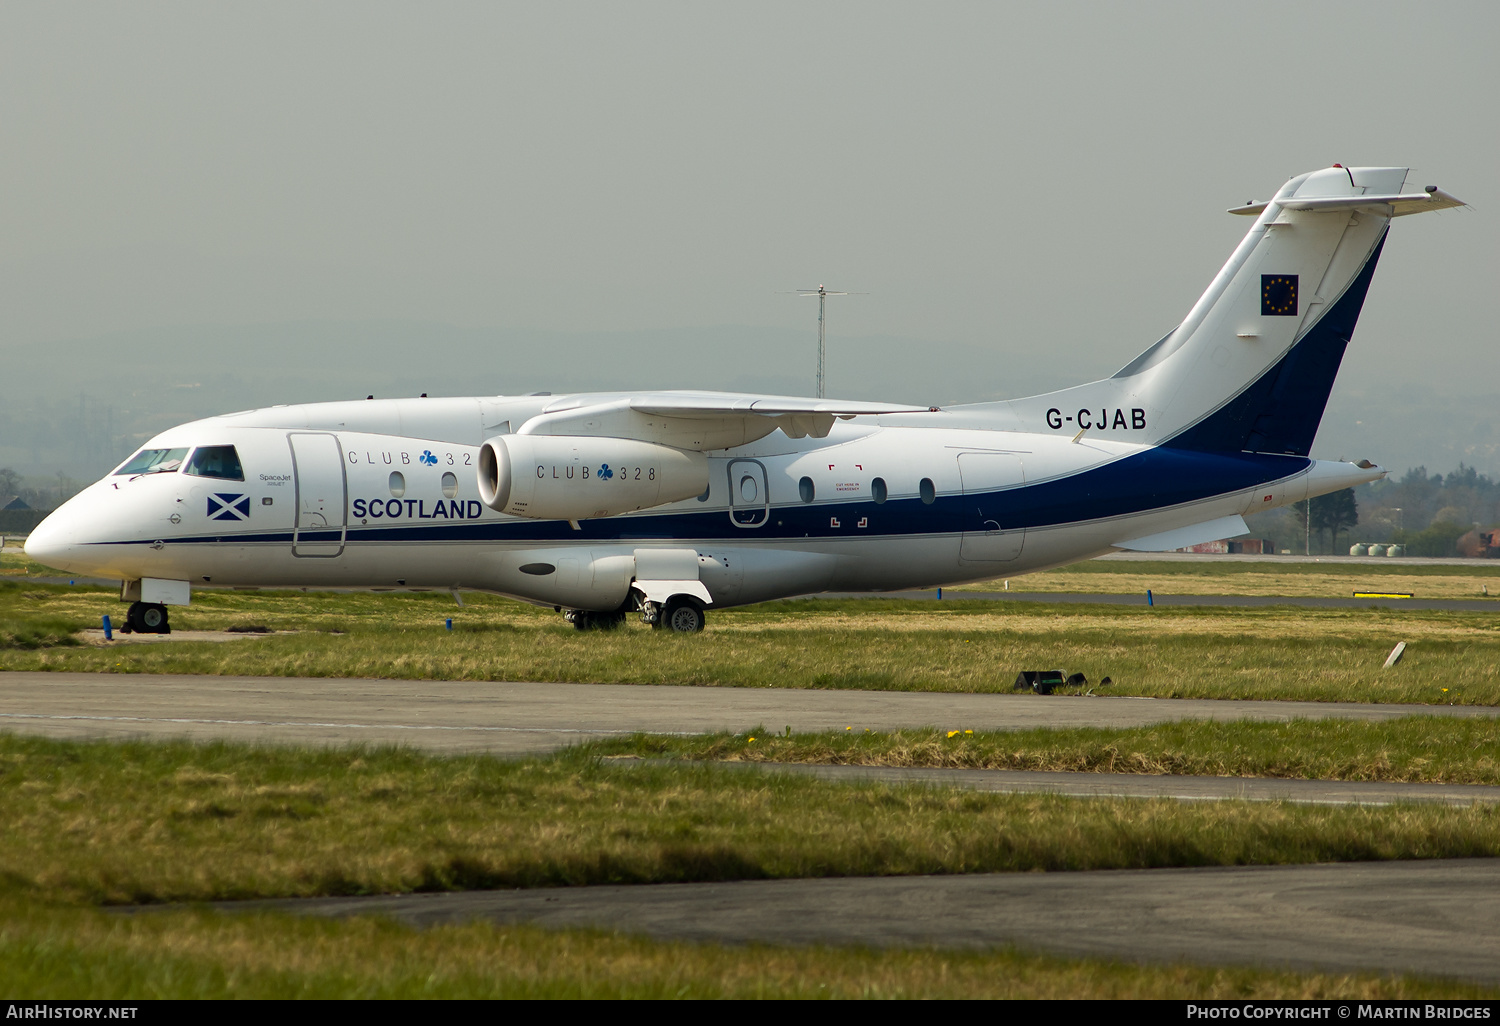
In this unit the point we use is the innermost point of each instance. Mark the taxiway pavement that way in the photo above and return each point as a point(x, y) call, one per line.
point(524, 718)
point(1440, 918)
point(1144, 785)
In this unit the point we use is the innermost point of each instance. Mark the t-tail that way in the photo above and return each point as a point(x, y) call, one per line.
point(1251, 366)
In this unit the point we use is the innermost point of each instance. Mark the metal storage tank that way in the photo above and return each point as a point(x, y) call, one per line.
point(1359, 549)
point(1377, 549)
point(1396, 550)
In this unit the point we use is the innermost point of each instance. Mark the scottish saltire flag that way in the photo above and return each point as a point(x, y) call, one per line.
point(228, 506)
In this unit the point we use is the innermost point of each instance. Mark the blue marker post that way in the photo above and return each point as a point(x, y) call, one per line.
point(450, 623)
point(1149, 600)
point(109, 632)
point(940, 594)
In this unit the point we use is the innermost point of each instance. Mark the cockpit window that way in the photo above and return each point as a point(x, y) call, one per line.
point(219, 461)
point(153, 461)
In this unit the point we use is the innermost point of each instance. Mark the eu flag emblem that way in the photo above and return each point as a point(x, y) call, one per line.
point(1278, 295)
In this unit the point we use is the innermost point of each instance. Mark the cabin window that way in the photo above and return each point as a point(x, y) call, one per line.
point(806, 490)
point(153, 461)
point(450, 485)
point(928, 491)
point(219, 461)
point(397, 484)
point(748, 491)
point(877, 489)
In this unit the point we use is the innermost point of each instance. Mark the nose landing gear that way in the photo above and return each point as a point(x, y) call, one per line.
point(146, 618)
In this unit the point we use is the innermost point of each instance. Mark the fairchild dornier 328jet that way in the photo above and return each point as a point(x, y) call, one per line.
point(671, 503)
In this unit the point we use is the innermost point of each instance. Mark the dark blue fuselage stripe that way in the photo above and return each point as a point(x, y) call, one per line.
point(1155, 479)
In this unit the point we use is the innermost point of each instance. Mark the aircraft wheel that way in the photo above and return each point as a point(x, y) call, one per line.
point(582, 620)
point(682, 615)
point(148, 618)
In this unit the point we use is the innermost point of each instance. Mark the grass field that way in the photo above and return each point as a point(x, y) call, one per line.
point(90, 824)
point(881, 644)
point(49, 951)
point(103, 823)
point(1436, 750)
point(15, 563)
point(1269, 578)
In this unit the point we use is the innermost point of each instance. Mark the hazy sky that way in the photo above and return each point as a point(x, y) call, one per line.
point(1029, 193)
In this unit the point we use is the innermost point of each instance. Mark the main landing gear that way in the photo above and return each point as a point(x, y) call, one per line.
point(146, 618)
point(585, 620)
point(680, 613)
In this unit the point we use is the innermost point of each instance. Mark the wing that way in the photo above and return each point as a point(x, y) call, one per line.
point(700, 420)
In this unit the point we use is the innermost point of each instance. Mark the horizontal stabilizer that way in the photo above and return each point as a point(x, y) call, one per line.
point(1401, 204)
point(1182, 537)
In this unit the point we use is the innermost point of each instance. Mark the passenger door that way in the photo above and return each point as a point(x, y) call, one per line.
point(987, 538)
point(749, 498)
point(322, 493)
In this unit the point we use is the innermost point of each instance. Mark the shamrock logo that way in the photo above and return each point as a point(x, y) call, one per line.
point(428, 458)
point(605, 473)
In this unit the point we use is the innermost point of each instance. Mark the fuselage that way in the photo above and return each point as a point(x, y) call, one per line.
point(329, 495)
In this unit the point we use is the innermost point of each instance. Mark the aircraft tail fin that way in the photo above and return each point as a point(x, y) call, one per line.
point(1252, 365)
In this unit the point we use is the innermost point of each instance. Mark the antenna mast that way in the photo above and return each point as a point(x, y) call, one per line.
point(822, 294)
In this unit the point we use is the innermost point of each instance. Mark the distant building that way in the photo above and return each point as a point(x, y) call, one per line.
point(12, 502)
point(1483, 544)
point(1240, 546)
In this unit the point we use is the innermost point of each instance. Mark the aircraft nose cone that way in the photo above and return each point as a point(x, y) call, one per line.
point(61, 540)
point(48, 543)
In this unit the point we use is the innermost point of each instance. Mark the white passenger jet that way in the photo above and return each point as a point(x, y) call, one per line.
point(668, 503)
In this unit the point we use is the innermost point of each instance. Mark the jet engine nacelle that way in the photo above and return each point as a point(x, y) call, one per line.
point(562, 477)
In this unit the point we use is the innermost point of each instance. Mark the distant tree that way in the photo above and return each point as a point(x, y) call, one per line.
point(1466, 477)
point(1418, 500)
point(10, 481)
point(1439, 539)
point(1452, 514)
point(1333, 513)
